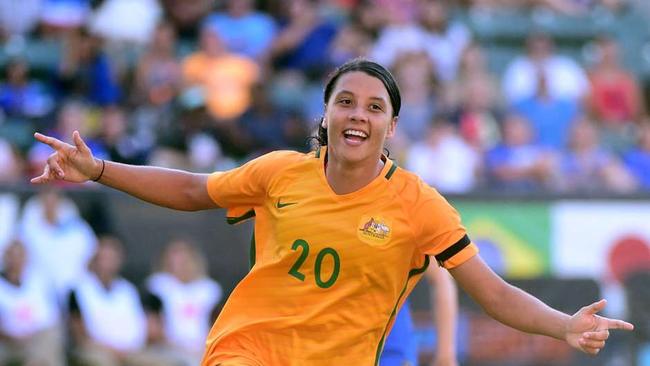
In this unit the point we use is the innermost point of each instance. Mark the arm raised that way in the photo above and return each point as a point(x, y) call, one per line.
point(171, 188)
point(512, 306)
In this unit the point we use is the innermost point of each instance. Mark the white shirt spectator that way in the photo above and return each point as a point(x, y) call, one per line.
point(126, 20)
point(9, 206)
point(187, 308)
point(19, 17)
point(60, 250)
point(564, 77)
point(449, 165)
point(28, 308)
point(113, 317)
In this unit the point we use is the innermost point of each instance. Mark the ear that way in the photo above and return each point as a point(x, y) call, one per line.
point(391, 127)
point(323, 120)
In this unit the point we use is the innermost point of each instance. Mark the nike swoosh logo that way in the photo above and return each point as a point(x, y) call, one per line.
point(281, 205)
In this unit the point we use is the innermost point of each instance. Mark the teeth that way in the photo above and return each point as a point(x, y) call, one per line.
point(356, 133)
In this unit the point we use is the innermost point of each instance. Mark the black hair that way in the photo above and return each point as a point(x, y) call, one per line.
point(371, 68)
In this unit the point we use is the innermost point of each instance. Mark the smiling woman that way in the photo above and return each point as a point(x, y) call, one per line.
point(342, 236)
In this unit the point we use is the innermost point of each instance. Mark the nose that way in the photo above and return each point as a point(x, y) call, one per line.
point(358, 115)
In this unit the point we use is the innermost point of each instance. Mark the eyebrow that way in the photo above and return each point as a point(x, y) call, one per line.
point(349, 92)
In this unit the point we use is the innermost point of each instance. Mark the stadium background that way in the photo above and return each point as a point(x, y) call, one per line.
point(567, 232)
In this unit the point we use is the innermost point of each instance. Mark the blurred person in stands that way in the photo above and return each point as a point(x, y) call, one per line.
point(18, 19)
point(565, 78)
point(158, 76)
point(86, 72)
point(62, 17)
point(222, 79)
point(121, 142)
point(339, 229)
point(420, 89)
point(187, 15)
point(59, 242)
point(351, 41)
point(303, 40)
point(131, 22)
point(550, 115)
point(9, 209)
point(30, 318)
point(107, 318)
point(585, 166)
point(444, 159)
point(12, 164)
point(518, 164)
point(189, 298)
point(22, 97)
point(401, 348)
point(637, 158)
point(243, 29)
point(615, 100)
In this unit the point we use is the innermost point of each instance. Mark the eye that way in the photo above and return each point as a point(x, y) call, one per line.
point(376, 107)
point(344, 101)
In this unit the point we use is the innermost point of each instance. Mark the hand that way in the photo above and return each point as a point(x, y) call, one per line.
point(69, 163)
point(588, 332)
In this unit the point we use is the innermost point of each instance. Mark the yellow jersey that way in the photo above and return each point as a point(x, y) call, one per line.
point(330, 271)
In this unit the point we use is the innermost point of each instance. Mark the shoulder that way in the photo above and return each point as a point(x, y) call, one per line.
point(411, 188)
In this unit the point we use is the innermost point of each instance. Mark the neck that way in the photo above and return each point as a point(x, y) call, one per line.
point(346, 178)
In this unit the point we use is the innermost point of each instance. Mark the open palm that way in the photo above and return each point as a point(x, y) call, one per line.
point(69, 163)
point(588, 332)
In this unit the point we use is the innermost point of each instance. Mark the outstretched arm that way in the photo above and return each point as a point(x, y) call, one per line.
point(510, 305)
point(163, 187)
point(445, 309)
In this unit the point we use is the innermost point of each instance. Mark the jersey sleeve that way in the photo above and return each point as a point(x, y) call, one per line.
point(247, 186)
point(440, 232)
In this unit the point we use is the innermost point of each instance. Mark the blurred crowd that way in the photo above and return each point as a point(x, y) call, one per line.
point(63, 300)
point(206, 85)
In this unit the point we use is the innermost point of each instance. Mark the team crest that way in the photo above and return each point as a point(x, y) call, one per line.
point(374, 230)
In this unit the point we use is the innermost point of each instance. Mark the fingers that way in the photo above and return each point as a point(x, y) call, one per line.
point(592, 342)
point(79, 143)
point(590, 350)
point(596, 307)
point(55, 168)
point(43, 178)
point(50, 141)
point(618, 324)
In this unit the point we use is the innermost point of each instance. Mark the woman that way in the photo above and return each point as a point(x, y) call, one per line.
point(342, 236)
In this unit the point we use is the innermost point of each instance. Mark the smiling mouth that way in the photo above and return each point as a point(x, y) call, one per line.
point(355, 136)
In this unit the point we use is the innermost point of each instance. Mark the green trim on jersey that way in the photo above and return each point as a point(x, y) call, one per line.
point(251, 252)
point(391, 170)
point(412, 272)
point(318, 152)
point(237, 220)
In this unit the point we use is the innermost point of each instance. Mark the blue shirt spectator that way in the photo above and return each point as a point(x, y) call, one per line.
point(637, 160)
point(244, 30)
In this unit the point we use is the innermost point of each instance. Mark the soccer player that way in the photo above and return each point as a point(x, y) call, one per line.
point(401, 348)
point(341, 237)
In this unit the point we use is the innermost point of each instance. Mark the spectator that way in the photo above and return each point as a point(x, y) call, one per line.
point(64, 16)
point(186, 15)
point(22, 97)
point(420, 95)
point(351, 41)
point(303, 40)
point(444, 160)
point(11, 163)
point(244, 30)
point(550, 116)
point(587, 167)
point(18, 18)
point(119, 141)
point(101, 300)
point(58, 241)
point(564, 77)
point(132, 21)
point(189, 298)
point(158, 72)
point(224, 80)
point(30, 332)
point(637, 159)
point(9, 207)
point(615, 99)
point(517, 163)
point(85, 71)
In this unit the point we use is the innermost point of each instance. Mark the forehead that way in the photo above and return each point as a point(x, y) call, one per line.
point(361, 85)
